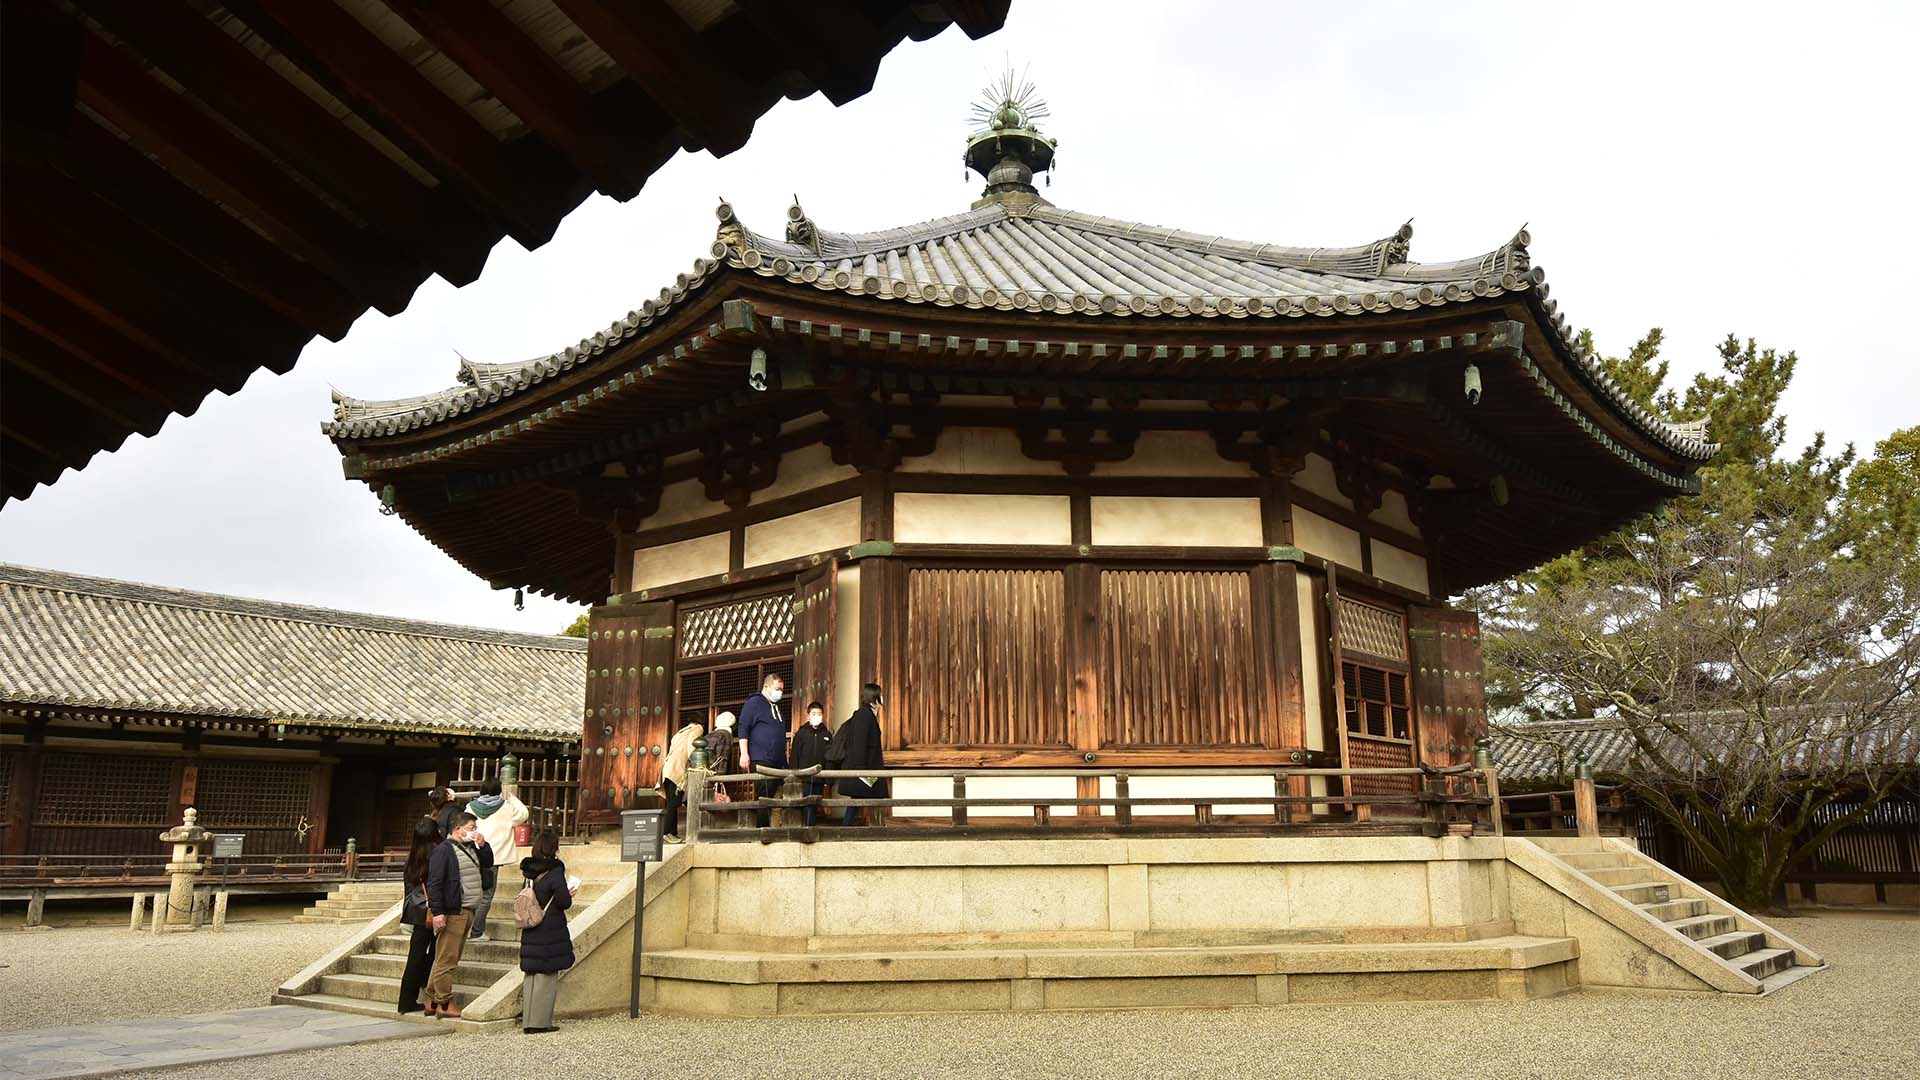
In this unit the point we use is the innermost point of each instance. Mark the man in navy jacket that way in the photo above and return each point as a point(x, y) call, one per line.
point(458, 875)
point(763, 735)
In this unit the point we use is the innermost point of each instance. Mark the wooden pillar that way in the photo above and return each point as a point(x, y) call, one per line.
point(28, 763)
point(1586, 813)
point(318, 802)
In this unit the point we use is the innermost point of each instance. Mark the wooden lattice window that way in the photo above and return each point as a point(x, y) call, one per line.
point(6, 780)
point(1376, 701)
point(105, 789)
point(756, 623)
point(986, 658)
point(253, 794)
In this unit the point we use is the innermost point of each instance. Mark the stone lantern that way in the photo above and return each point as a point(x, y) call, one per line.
point(187, 839)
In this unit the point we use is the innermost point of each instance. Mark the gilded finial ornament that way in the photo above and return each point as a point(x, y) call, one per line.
point(731, 234)
point(1006, 147)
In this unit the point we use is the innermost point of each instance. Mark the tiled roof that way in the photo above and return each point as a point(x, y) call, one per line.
point(1530, 752)
point(1045, 260)
point(94, 643)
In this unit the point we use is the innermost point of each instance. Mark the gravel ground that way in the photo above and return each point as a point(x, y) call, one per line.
point(86, 974)
point(1855, 1020)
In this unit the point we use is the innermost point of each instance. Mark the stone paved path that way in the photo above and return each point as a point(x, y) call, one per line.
point(100, 1049)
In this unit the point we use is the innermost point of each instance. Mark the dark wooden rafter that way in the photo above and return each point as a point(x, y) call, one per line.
point(619, 150)
point(736, 463)
point(524, 187)
point(693, 84)
point(220, 72)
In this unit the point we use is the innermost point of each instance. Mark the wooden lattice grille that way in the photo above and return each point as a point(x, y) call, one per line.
point(236, 795)
point(706, 694)
point(986, 658)
point(1177, 659)
point(1375, 631)
point(758, 623)
point(105, 789)
point(1365, 753)
point(6, 780)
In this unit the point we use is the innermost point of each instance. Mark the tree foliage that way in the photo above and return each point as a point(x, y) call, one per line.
point(576, 628)
point(1757, 643)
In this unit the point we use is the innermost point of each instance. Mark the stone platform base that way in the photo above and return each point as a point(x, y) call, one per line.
point(757, 984)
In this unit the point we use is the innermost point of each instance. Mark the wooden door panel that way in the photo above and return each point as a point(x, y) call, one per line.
point(629, 689)
point(1448, 683)
point(1177, 663)
point(814, 602)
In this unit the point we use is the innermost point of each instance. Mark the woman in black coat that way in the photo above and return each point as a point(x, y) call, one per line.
point(858, 750)
point(546, 950)
point(426, 837)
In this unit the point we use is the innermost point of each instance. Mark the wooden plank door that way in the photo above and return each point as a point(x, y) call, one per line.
point(814, 600)
point(1449, 685)
point(629, 692)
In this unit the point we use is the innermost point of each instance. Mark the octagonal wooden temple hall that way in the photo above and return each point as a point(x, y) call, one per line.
point(1147, 535)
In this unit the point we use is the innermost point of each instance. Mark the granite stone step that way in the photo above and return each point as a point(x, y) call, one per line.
point(1674, 910)
point(468, 972)
point(1611, 876)
point(506, 953)
point(1698, 927)
point(1735, 944)
point(1595, 860)
point(1763, 963)
point(378, 988)
point(1643, 892)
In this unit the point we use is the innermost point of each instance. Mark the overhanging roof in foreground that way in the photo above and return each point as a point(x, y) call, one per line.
point(88, 645)
point(193, 191)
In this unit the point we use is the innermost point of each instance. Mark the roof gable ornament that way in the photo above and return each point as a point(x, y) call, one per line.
point(800, 228)
point(1006, 148)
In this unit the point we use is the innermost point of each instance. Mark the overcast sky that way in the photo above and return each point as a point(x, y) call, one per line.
point(1701, 169)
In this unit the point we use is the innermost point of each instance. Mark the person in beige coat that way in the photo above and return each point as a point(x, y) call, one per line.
point(498, 813)
point(673, 777)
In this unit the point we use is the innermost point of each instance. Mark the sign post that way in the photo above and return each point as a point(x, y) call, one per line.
point(228, 845)
point(639, 844)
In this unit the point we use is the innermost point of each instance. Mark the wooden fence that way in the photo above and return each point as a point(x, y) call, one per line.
point(550, 786)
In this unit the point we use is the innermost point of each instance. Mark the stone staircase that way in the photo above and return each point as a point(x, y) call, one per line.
point(1723, 935)
point(352, 902)
point(368, 979)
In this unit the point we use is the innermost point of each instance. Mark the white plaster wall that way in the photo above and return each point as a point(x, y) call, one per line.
point(847, 676)
point(1317, 477)
point(1175, 787)
point(1393, 513)
point(926, 518)
point(1327, 539)
point(702, 556)
point(1173, 453)
point(803, 470)
point(1175, 522)
point(983, 787)
point(1399, 566)
point(682, 502)
point(1307, 595)
point(823, 528)
point(979, 452)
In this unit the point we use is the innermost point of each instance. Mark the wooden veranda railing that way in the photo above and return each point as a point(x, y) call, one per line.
point(1557, 813)
point(118, 871)
point(550, 786)
point(1428, 801)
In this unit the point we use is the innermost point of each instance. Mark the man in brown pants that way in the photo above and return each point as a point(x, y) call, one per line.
point(457, 877)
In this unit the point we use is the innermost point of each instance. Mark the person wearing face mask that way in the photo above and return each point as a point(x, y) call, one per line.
point(856, 748)
point(763, 737)
point(810, 742)
point(456, 876)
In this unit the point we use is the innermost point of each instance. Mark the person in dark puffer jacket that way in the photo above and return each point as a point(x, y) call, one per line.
point(546, 950)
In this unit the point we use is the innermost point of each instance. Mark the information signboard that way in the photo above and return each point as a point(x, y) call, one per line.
point(228, 845)
point(640, 836)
